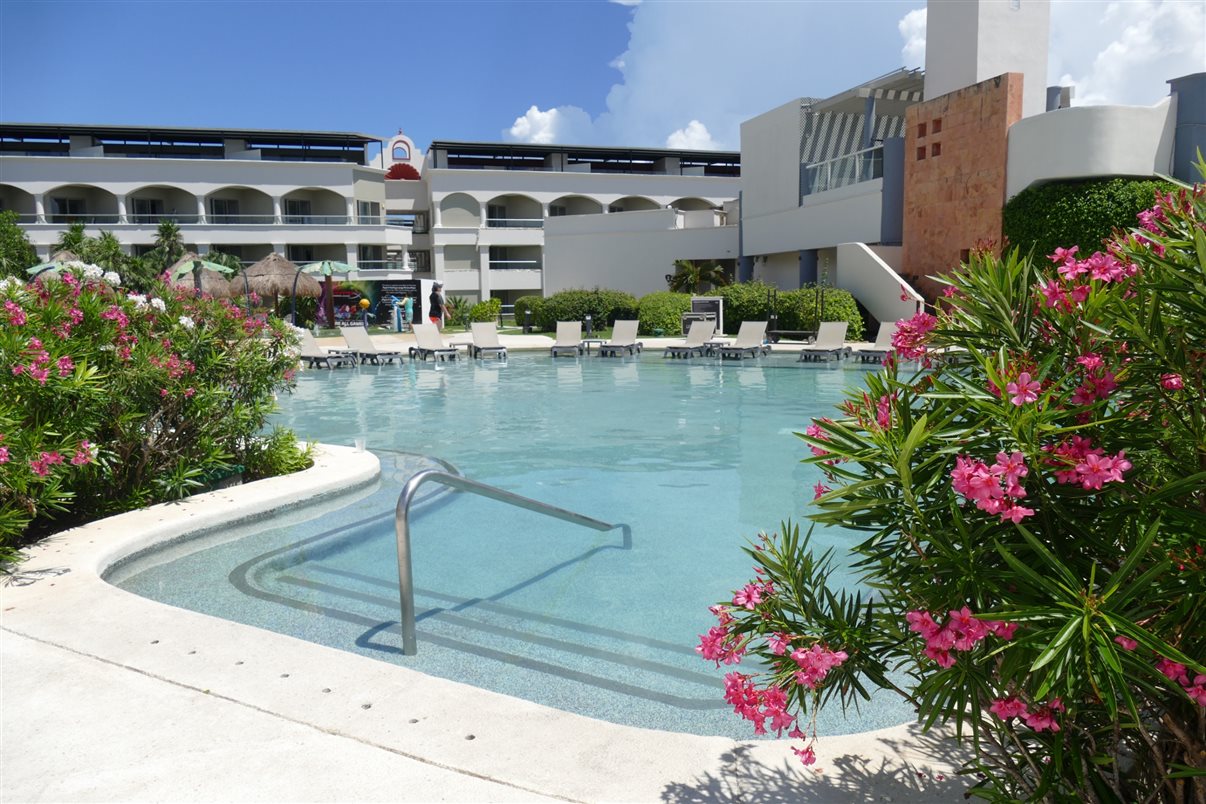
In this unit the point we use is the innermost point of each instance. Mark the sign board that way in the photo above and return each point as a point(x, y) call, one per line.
point(709, 307)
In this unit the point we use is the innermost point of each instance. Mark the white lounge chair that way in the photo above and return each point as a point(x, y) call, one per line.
point(569, 338)
point(830, 342)
point(623, 338)
point(882, 346)
point(428, 343)
point(485, 340)
point(361, 344)
point(313, 354)
point(697, 340)
point(749, 342)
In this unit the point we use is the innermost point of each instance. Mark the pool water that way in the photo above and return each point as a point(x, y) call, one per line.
point(696, 457)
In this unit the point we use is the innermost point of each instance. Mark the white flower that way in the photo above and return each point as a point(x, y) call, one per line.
point(90, 271)
point(10, 282)
point(140, 301)
point(187, 322)
point(106, 347)
point(158, 304)
point(113, 278)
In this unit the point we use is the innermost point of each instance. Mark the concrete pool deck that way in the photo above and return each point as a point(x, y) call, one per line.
point(107, 696)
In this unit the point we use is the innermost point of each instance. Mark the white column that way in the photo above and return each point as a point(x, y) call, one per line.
point(353, 254)
point(280, 248)
point(483, 212)
point(121, 209)
point(435, 213)
point(437, 263)
point(40, 207)
point(483, 274)
point(276, 209)
point(200, 209)
point(544, 210)
point(351, 204)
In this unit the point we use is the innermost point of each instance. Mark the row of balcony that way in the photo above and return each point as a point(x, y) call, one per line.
point(260, 220)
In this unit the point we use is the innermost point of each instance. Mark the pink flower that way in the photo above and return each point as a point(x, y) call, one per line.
point(718, 645)
point(912, 334)
point(39, 466)
point(749, 596)
point(1043, 718)
point(66, 366)
point(1006, 708)
point(1091, 361)
point(1002, 630)
point(1015, 513)
point(1024, 390)
point(1174, 671)
point(1197, 691)
point(806, 754)
point(1126, 642)
point(16, 316)
point(1064, 254)
point(4, 455)
point(83, 454)
point(820, 490)
point(778, 643)
point(922, 622)
point(1171, 382)
point(949, 291)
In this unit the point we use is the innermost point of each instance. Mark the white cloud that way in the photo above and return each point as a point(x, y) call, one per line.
point(912, 29)
point(627, 2)
point(563, 124)
point(694, 137)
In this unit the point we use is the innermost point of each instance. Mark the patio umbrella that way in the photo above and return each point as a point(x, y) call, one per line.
point(205, 276)
point(327, 268)
point(274, 275)
point(58, 261)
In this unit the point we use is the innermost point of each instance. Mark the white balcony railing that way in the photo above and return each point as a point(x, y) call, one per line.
point(112, 218)
point(515, 223)
point(843, 171)
point(512, 265)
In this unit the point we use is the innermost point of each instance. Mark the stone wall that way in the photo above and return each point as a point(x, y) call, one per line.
point(954, 175)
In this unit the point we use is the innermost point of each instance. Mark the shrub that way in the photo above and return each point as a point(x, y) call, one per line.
point(16, 252)
point(663, 310)
point(1081, 213)
point(745, 301)
point(1032, 518)
point(574, 305)
point(797, 310)
point(525, 303)
point(488, 310)
point(110, 402)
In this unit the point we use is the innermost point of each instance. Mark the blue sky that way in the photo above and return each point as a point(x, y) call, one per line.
point(653, 73)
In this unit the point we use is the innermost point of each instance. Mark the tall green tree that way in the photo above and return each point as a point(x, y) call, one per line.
point(169, 245)
point(16, 252)
point(73, 240)
point(692, 276)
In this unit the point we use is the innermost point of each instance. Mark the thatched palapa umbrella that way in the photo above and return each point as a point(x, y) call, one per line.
point(183, 274)
point(275, 276)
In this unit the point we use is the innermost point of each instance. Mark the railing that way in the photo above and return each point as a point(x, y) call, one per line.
point(843, 171)
point(514, 265)
point(406, 583)
point(245, 220)
point(315, 220)
point(384, 265)
point(515, 223)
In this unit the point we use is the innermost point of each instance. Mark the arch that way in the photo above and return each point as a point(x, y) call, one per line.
point(574, 205)
point(237, 203)
point(692, 204)
point(152, 203)
point(87, 203)
point(314, 206)
point(633, 203)
point(19, 201)
point(400, 151)
point(460, 209)
point(514, 210)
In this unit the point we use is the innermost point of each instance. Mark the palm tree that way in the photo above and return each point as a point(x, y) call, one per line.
point(169, 244)
point(692, 277)
point(73, 240)
point(104, 251)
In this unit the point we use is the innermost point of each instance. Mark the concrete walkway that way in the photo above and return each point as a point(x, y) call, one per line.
point(107, 696)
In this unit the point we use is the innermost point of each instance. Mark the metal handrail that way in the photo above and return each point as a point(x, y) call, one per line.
point(406, 584)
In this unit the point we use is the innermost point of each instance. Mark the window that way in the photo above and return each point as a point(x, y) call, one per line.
point(615, 208)
point(557, 210)
point(223, 210)
point(496, 215)
point(419, 261)
point(936, 125)
point(148, 210)
point(297, 210)
point(920, 153)
point(66, 209)
point(936, 149)
point(368, 212)
point(301, 254)
point(921, 129)
point(401, 152)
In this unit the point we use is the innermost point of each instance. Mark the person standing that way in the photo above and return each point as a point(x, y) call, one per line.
point(407, 311)
point(437, 309)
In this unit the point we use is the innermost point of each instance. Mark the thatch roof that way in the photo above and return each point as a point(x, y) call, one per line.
point(212, 282)
point(274, 276)
point(64, 256)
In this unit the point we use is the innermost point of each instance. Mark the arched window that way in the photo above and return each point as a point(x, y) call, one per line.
point(401, 152)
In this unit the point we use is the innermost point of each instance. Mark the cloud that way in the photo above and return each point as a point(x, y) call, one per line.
point(694, 137)
point(629, 3)
point(563, 124)
point(912, 29)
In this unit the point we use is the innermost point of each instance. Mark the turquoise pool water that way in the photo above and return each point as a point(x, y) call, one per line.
point(695, 456)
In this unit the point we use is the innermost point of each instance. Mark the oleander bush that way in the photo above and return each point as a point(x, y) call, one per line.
point(797, 309)
point(111, 401)
point(603, 306)
point(1041, 219)
point(663, 310)
point(1032, 510)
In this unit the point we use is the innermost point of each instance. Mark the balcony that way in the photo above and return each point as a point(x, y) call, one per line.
point(514, 265)
point(515, 223)
point(842, 171)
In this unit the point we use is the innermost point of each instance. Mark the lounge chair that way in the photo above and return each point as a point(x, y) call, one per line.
point(313, 354)
point(749, 342)
point(830, 342)
point(361, 344)
point(428, 343)
point(697, 340)
point(569, 338)
point(882, 346)
point(623, 338)
point(485, 340)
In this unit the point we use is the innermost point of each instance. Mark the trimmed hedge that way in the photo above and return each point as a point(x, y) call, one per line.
point(663, 310)
point(603, 306)
point(798, 310)
point(525, 303)
point(488, 310)
point(1081, 213)
point(745, 301)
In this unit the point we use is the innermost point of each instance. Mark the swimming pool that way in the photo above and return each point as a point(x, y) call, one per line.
point(694, 456)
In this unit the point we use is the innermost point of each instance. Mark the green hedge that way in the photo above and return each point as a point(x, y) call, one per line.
point(798, 310)
point(663, 310)
point(489, 310)
point(525, 303)
point(603, 306)
point(1081, 213)
point(745, 301)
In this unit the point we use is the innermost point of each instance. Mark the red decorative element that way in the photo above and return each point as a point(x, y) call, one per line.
point(402, 171)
